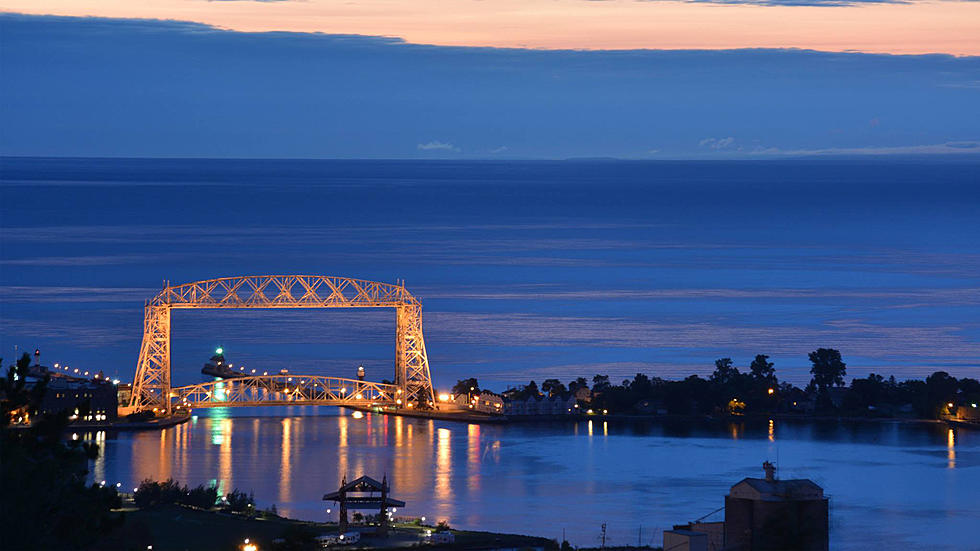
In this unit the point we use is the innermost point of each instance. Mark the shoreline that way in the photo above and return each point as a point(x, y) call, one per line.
point(173, 526)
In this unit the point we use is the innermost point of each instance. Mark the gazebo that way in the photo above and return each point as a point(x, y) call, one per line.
point(359, 487)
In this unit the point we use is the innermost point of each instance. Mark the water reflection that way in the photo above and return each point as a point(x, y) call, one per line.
point(473, 457)
point(951, 449)
point(286, 482)
point(442, 469)
point(444, 457)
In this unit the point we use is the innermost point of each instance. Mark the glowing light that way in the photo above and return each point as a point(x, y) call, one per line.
point(219, 350)
point(357, 415)
point(360, 396)
point(772, 390)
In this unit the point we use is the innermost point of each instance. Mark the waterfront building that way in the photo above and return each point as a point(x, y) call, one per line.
point(486, 402)
point(680, 539)
point(762, 514)
point(83, 399)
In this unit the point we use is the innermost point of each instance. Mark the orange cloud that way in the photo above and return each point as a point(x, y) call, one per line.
point(901, 28)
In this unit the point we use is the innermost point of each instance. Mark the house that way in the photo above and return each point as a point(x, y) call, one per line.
point(486, 402)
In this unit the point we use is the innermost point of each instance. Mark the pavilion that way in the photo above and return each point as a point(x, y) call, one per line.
point(359, 487)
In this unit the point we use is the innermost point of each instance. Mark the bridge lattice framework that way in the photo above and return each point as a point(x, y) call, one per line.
point(412, 385)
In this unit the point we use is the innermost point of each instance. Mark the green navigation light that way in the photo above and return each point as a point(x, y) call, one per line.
point(219, 350)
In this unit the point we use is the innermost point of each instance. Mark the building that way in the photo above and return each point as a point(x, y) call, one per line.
point(768, 514)
point(762, 514)
point(83, 399)
point(486, 402)
point(967, 413)
point(685, 540)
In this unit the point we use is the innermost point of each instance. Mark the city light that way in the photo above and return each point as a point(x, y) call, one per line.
point(219, 350)
point(357, 415)
point(443, 397)
point(772, 390)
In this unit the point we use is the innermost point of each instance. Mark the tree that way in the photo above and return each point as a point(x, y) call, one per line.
point(577, 384)
point(42, 477)
point(532, 389)
point(941, 389)
point(600, 383)
point(17, 396)
point(553, 387)
point(467, 386)
point(725, 373)
point(828, 368)
point(641, 386)
point(762, 370)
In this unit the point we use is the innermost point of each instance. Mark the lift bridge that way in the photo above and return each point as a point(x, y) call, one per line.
point(412, 387)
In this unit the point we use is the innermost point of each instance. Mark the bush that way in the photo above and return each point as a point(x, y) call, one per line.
point(239, 502)
point(150, 493)
point(202, 496)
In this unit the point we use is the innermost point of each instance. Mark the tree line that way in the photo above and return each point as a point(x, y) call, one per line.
point(757, 389)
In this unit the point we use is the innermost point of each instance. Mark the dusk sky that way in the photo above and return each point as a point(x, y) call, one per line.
point(750, 80)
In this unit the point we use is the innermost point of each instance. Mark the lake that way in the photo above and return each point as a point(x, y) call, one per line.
point(898, 485)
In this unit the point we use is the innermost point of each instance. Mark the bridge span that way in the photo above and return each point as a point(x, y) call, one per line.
point(413, 383)
point(287, 390)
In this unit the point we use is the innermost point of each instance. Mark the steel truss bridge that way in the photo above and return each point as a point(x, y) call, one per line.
point(412, 386)
point(286, 390)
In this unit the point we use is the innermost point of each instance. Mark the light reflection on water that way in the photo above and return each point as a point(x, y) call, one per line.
point(890, 484)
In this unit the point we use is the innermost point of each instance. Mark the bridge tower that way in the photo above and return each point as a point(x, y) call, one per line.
point(151, 385)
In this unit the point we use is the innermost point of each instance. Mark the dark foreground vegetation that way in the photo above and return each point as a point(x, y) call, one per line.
point(757, 389)
point(44, 500)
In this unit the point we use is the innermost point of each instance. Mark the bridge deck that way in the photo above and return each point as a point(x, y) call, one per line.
point(289, 390)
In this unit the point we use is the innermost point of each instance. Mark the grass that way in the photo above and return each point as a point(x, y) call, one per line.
point(179, 528)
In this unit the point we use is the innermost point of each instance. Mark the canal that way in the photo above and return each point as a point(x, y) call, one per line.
point(895, 485)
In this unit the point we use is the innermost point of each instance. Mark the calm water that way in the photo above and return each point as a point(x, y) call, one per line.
point(889, 484)
point(527, 270)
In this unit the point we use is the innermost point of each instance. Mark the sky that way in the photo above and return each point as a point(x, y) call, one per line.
point(884, 26)
point(81, 86)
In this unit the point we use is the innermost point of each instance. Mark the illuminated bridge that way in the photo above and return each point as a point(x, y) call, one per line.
point(412, 386)
point(286, 390)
